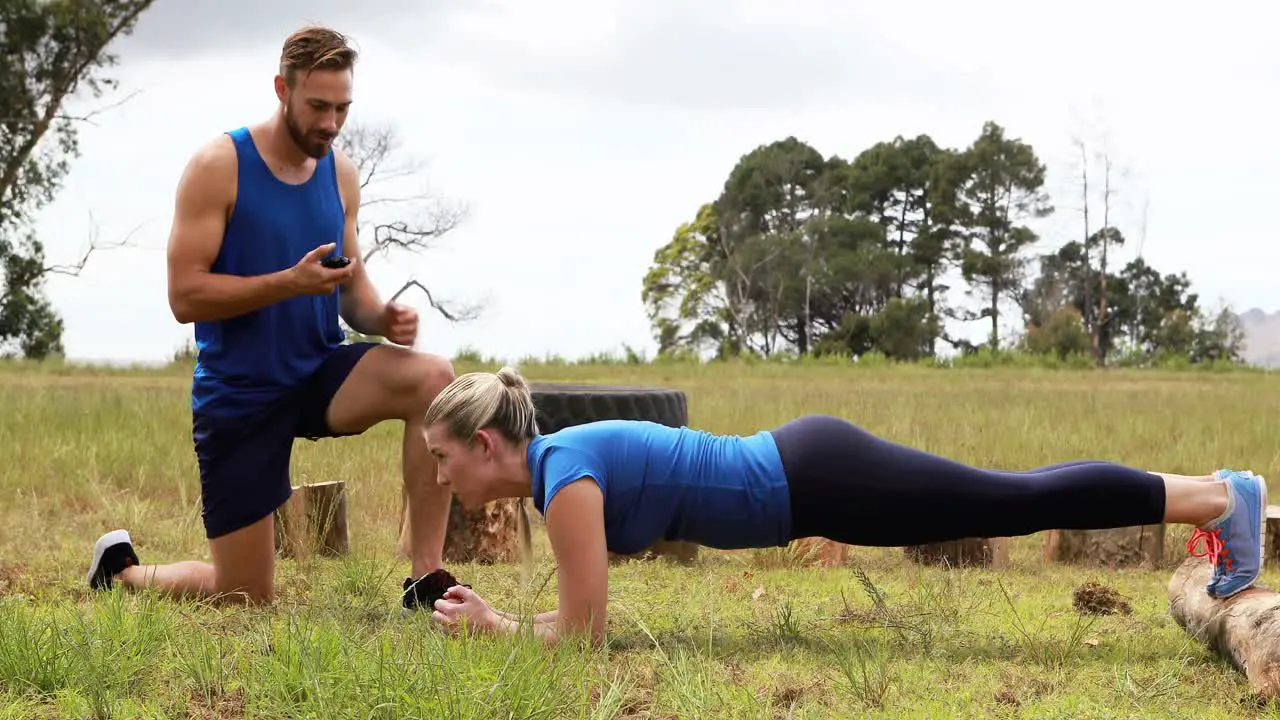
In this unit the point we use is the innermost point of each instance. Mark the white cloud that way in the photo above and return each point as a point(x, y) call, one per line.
point(187, 28)
point(585, 132)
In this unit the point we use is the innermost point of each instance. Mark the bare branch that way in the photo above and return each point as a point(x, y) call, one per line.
point(409, 222)
point(399, 234)
point(393, 200)
point(463, 313)
point(74, 269)
point(86, 118)
point(371, 148)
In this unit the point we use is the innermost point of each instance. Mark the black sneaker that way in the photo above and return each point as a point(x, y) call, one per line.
point(426, 590)
point(111, 555)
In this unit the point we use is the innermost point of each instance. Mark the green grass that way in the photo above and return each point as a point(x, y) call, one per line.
point(748, 634)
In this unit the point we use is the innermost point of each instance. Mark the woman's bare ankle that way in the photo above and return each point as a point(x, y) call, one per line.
point(1217, 503)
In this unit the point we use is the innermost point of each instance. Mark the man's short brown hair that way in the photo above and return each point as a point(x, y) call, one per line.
point(315, 48)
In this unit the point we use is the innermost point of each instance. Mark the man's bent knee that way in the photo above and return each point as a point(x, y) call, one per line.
point(436, 373)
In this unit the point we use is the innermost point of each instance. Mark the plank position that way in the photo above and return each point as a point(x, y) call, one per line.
point(256, 212)
point(621, 485)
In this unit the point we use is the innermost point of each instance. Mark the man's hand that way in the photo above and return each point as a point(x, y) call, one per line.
point(462, 606)
point(309, 277)
point(400, 323)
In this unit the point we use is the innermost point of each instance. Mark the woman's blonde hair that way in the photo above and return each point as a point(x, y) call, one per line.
point(478, 400)
point(501, 401)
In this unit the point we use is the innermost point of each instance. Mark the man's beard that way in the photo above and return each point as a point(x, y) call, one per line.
point(306, 144)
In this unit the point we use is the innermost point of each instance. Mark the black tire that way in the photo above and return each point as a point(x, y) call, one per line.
point(560, 406)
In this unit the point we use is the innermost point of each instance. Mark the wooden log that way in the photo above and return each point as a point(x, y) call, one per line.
point(965, 552)
point(1271, 545)
point(1136, 546)
point(313, 521)
point(1244, 629)
point(821, 552)
point(288, 520)
point(486, 536)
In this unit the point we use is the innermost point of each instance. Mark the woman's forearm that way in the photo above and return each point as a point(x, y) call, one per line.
point(549, 616)
point(544, 625)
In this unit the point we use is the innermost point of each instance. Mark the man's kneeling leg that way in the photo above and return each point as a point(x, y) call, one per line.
point(240, 571)
point(244, 477)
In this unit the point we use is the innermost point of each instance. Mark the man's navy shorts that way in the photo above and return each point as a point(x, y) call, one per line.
point(244, 461)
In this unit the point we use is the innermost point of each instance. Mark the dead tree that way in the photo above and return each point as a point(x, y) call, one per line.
point(1090, 321)
point(392, 221)
point(395, 220)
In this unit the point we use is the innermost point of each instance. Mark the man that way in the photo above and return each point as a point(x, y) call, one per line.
point(256, 212)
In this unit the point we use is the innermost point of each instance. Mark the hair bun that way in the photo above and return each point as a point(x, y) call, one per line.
point(511, 378)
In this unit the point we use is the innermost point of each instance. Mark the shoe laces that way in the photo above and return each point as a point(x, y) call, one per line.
point(1213, 548)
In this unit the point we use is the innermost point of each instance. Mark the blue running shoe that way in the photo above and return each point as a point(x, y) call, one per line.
point(1234, 545)
point(1212, 543)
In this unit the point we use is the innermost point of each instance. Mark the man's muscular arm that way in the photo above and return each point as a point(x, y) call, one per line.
point(359, 303)
point(205, 195)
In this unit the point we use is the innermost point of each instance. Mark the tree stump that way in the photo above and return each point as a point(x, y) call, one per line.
point(1136, 546)
point(1244, 629)
point(1271, 543)
point(965, 552)
point(313, 521)
point(821, 552)
point(485, 536)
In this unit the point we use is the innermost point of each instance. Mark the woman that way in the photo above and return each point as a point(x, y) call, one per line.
point(620, 485)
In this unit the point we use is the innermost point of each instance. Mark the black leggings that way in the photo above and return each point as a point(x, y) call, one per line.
point(850, 486)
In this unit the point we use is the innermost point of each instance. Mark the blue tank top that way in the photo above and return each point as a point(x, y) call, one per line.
point(248, 361)
point(662, 483)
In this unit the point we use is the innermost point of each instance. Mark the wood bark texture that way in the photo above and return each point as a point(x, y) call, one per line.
point(1243, 629)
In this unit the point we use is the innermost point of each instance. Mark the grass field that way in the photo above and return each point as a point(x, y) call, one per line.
point(749, 634)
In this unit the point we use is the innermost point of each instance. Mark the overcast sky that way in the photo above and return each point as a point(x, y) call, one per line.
point(592, 128)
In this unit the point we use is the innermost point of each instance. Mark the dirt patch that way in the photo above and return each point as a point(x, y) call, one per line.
point(1008, 697)
point(786, 694)
point(11, 574)
point(1019, 686)
point(221, 707)
point(1094, 598)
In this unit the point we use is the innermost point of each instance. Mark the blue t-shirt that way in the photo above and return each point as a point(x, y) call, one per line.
point(663, 483)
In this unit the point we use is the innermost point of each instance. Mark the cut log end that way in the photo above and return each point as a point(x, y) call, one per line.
point(1244, 629)
point(313, 521)
point(821, 552)
point(966, 552)
point(1271, 544)
point(486, 536)
point(1137, 546)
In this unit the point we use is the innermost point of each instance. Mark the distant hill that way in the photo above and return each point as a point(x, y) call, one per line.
point(1262, 337)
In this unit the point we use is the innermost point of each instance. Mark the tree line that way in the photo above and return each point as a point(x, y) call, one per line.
point(811, 255)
